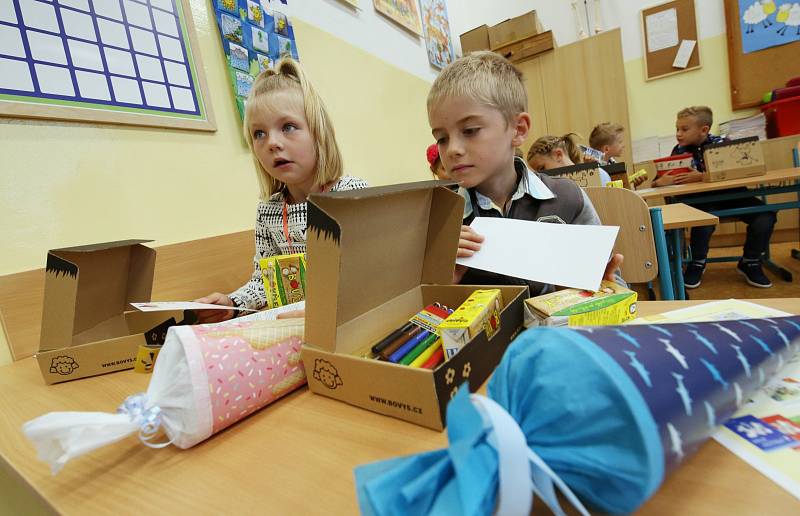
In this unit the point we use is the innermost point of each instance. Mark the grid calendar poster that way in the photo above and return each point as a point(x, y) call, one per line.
point(768, 23)
point(255, 35)
point(436, 28)
point(119, 61)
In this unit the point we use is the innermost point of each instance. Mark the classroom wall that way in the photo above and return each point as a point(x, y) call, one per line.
point(652, 104)
point(64, 184)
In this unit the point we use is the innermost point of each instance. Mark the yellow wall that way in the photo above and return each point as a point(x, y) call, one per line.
point(652, 105)
point(65, 184)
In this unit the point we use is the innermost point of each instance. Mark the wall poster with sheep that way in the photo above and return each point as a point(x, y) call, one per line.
point(768, 23)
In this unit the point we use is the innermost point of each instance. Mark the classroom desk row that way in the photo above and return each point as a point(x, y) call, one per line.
point(294, 457)
point(772, 183)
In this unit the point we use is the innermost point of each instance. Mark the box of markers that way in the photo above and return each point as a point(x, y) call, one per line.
point(378, 260)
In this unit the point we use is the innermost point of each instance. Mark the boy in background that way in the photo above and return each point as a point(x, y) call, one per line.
point(692, 132)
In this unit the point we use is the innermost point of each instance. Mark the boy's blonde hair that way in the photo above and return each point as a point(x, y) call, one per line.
point(288, 75)
point(604, 134)
point(702, 114)
point(546, 144)
point(487, 78)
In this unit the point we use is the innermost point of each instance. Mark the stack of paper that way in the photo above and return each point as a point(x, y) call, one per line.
point(653, 147)
point(755, 125)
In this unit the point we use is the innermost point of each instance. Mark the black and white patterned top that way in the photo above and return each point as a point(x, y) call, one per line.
point(270, 239)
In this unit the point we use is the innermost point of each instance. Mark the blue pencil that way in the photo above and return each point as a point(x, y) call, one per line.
point(408, 346)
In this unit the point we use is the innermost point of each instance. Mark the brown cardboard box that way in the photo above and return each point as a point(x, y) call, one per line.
point(584, 174)
point(527, 48)
point(514, 29)
point(475, 39)
point(734, 159)
point(86, 330)
point(376, 257)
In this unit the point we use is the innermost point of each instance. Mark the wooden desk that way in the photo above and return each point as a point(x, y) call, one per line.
point(772, 176)
point(294, 457)
point(675, 218)
point(683, 216)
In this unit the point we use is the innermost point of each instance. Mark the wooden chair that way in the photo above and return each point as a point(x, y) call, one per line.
point(637, 236)
point(5, 344)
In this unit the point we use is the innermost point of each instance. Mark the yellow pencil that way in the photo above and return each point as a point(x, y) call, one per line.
point(425, 355)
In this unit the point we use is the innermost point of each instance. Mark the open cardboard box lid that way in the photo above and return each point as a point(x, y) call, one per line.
point(366, 247)
point(88, 288)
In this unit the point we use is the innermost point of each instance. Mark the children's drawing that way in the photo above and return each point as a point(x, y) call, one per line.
point(231, 29)
point(281, 23)
point(264, 63)
point(403, 12)
point(243, 84)
point(255, 13)
point(768, 23)
point(436, 28)
point(239, 58)
point(260, 40)
point(284, 47)
point(227, 5)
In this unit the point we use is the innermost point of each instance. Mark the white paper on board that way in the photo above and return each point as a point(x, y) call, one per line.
point(559, 254)
point(662, 30)
point(684, 53)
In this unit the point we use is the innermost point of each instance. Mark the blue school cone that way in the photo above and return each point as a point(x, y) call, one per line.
point(601, 414)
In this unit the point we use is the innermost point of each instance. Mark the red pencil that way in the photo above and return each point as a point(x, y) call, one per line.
point(435, 359)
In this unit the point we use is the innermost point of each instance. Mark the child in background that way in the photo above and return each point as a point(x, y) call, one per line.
point(435, 163)
point(549, 152)
point(692, 132)
point(295, 153)
point(477, 111)
point(608, 138)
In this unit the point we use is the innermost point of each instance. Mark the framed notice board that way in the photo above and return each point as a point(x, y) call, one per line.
point(665, 28)
point(754, 73)
point(117, 61)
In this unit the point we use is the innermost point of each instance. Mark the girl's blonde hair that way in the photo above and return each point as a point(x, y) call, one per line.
point(288, 75)
point(546, 144)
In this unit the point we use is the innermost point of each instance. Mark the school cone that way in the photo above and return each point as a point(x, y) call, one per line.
point(601, 414)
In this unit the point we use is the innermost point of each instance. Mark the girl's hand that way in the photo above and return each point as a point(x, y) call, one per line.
point(690, 177)
point(613, 265)
point(468, 243)
point(210, 315)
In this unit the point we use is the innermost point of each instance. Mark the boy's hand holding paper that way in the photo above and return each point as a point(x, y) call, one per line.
point(559, 254)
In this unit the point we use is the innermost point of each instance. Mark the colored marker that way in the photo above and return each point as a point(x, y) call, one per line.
point(435, 360)
point(380, 346)
point(399, 341)
point(418, 349)
point(426, 354)
point(408, 346)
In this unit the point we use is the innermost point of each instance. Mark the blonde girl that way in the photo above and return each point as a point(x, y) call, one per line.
point(295, 154)
point(549, 152)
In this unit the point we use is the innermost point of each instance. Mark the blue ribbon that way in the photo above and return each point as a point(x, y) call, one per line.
point(148, 419)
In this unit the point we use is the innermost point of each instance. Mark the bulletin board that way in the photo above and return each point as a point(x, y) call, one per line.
point(130, 62)
point(755, 73)
point(662, 47)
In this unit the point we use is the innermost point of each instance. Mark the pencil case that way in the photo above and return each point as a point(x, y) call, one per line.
point(600, 414)
point(207, 377)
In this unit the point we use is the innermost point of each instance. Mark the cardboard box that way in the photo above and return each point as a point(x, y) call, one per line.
point(375, 258)
point(612, 304)
point(86, 329)
point(527, 48)
point(648, 166)
point(734, 159)
point(514, 29)
point(475, 39)
point(674, 165)
point(584, 174)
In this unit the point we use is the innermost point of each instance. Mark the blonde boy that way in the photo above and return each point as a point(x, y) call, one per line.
point(477, 109)
point(608, 139)
point(692, 130)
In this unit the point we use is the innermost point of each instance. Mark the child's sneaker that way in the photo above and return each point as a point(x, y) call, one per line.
point(694, 274)
point(751, 269)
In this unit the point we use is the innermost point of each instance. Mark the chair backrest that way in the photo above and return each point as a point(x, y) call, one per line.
point(5, 345)
point(624, 208)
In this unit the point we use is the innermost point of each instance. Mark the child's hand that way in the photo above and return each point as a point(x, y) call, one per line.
point(613, 265)
point(469, 242)
point(210, 315)
point(665, 180)
point(639, 180)
point(690, 177)
point(458, 273)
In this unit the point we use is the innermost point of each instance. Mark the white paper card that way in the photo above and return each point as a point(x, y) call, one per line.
point(158, 306)
point(684, 53)
point(559, 254)
point(662, 30)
